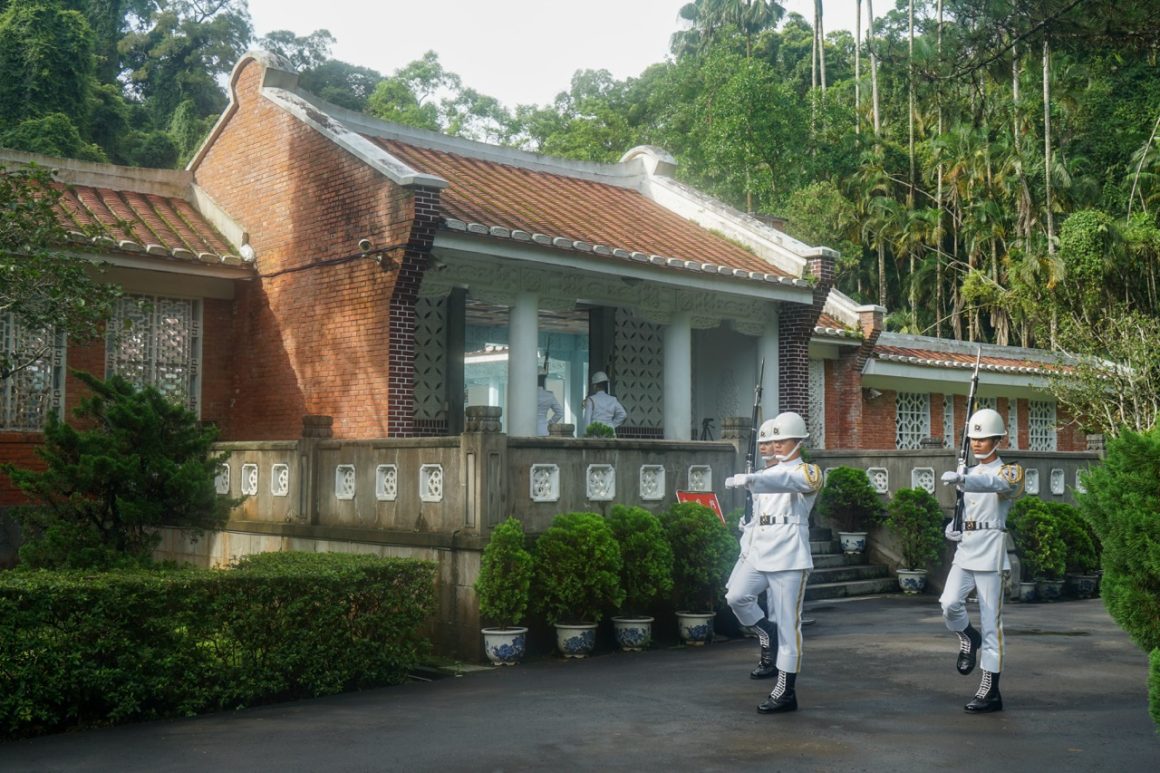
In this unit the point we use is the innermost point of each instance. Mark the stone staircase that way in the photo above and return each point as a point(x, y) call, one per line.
point(837, 575)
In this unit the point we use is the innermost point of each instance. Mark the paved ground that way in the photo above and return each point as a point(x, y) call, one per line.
point(878, 693)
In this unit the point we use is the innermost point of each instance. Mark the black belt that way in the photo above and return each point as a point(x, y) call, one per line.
point(769, 520)
point(976, 526)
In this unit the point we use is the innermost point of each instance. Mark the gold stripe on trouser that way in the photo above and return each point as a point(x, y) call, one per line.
point(798, 628)
point(999, 621)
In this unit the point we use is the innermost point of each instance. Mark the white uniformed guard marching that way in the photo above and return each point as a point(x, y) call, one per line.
point(989, 488)
point(775, 554)
point(601, 406)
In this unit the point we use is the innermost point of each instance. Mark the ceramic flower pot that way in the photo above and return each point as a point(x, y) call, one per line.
point(505, 646)
point(633, 634)
point(575, 640)
point(1027, 591)
point(912, 581)
point(853, 542)
point(696, 628)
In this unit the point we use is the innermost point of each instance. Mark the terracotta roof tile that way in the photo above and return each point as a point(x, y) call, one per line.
point(945, 359)
point(598, 218)
point(135, 222)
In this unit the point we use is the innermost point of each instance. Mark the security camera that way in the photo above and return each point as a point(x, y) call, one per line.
point(364, 244)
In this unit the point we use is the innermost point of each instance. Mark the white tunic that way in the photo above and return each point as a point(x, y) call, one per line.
point(778, 537)
point(989, 490)
point(545, 402)
point(603, 407)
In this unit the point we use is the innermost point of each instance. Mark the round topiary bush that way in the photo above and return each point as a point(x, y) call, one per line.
point(913, 515)
point(646, 569)
point(505, 575)
point(577, 569)
point(704, 552)
point(848, 501)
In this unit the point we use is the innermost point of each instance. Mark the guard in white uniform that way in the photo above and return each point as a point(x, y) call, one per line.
point(601, 406)
point(775, 555)
point(989, 489)
point(546, 403)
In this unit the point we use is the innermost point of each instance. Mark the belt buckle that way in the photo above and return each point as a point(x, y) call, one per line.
point(970, 526)
point(765, 520)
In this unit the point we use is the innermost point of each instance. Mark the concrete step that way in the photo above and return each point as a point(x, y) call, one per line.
point(824, 547)
point(839, 590)
point(832, 560)
point(847, 574)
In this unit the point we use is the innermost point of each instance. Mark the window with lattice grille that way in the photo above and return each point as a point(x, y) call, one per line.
point(1041, 425)
point(1013, 423)
point(949, 428)
point(156, 341)
point(817, 404)
point(912, 422)
point(28, 395)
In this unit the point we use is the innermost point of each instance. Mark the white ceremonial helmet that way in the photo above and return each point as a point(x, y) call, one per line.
point(599, 377)
point(986, 423)
point(784, 426)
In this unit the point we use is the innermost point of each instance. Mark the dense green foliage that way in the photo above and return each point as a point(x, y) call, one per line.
point(1121, 503)
point(1038, 538)
point(133, 463)
point(646, 571)
point(1081, 545)
point(704, 552)
point(599, 429)
point(915, 518)
point(88, 649)
point(848, 501)
point(577, 569)
point(505, 575)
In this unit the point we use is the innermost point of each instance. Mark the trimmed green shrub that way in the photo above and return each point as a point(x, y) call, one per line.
point(915, 518)
point(505, 575)
point(135, 462)
point(848, 501)
point(646, 568)
point(577, 569)
point(1082, 554)
point(1038, 541)
point(704, 553)
point(599, 429)
point(90, 649)
point(1121, 504)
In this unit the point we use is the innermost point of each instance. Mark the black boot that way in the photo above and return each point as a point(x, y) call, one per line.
point(987, 699)
point(767, 665)
point(783, 698)
point(969, 641)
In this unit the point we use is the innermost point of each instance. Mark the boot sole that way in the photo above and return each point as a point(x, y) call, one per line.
point(782, 709)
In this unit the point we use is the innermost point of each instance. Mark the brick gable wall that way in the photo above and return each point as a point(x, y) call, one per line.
point(795, 328)
point(323, 330)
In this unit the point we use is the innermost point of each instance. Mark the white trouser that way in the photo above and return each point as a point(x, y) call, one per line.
point(785, 592)
point(989, 589)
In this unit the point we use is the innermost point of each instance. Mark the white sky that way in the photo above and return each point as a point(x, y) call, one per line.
point(518, 51)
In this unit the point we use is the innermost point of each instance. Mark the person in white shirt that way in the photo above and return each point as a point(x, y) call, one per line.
point(775, 555)
point(546, 403)
point(989, 489)
point(601, 406)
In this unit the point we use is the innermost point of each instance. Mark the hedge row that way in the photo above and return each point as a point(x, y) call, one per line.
point(87, 649)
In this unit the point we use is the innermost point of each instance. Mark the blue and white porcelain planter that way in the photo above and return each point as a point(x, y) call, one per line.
point(912, 581)
point(853, 542)
point(696, 627)
point(633, 634)
point(505, 646)
point(575, 641)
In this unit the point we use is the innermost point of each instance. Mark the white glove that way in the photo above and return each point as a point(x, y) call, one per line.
point(952, 478)
point(737, 481)
point(949, 531)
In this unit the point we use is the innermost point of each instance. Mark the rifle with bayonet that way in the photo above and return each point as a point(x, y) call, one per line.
point(965, 447)
point(751, 452)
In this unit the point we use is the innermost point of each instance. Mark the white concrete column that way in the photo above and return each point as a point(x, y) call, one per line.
point(678, 378)
point(523, 340)
point(767, 347)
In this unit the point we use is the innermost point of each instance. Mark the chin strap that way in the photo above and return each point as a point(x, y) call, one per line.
point(787, 457)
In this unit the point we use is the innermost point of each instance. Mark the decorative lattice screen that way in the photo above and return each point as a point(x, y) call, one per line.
point(157, 341)
point(430, 357)
point(816, 422)
point(913, 419)
point(638, 379)
point(1041, 425)
point(29, 394)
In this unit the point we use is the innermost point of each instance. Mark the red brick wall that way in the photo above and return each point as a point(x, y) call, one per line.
point(316, 334)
